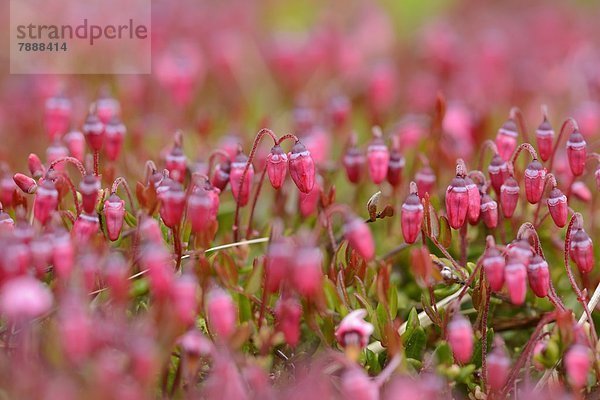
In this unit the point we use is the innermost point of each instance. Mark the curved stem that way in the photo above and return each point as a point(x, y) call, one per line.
point(71, 160)
point(517, 115)
point(570, 122)
point(121, 181)
point(523, 146)
point(254, 201)
point(72, 189)
point(96, 162)
point(529, 229)
point(257, 140)
point(287, 136)
point(484, 321)
point(549, 178)
point(488, 144)
point(212, 156)
point(150, 169)
point(576, 218)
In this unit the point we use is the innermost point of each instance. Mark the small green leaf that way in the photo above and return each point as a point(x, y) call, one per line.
point(331, 295)
point(393, 301)
point(255, 278)
point(412, 322)
point(476, 359)
point(443, 354)
point(245, 308)
point(445, 237)
point(415, 345)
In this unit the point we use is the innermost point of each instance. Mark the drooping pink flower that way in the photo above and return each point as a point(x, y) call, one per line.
point(535, 175)
point(539, 276)
point(515, 277)
point(544, 136)
point(241, 192)
point(359, 237)
point(302, 167)
point(411, 218)
point(460, 338)
point(493, 265)
point(489, 211)
point(277, 162)
point(288, 312)
point(498, 368)
point(506, 139)
point(114, 214)
point(378, 158)
point(354, 330)
point(578, 362)
point(558, 207)
point(581, 251)
point(457, 202)
point(24, 298)
point(222, 313)
point(509, 196)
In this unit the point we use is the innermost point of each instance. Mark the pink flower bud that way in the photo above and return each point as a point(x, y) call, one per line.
point(158, 262)
point(474, 201)
point(116, 276)
point(41, 254)
point(515, 276)
point(75, 142)
point(498, 171)
point(457, 202)
point(302, 167)
point(36, 168)
point(93, 129)
point(89, 187)
point(544, 136)
point(185, 299)
point(539, 276)
point(378, 158)
point(220, 177)
point(425, 179)
point(339, 110)
point(558, 207)
point(509, 196)
point(176, 164)
point(498, 368)
point(85, 227)
point(354, 163)
point(307, 270)
point(114, 214)
point(277, 166)
point(46, 201)
point(63, 256)
point(57, 116)
point(107, 108)
point(359, 237)
point(25, 183)
point(582, 252)
point(7, 224)
point(493, 265)
point(172, 203)
point(354, 330)
point(357, 385)
point(581, 191)
point(150, 230)
point(7, 189)
point(222, 313)
point(460, 338)
point(75, 329)
point(288, 313)
point(489, 211)
point(278, 264)
point(395, 168)
point(24, 298)
point(241, 195)
point(535, 174)
point(308, 202)
point(520, 250)
point(576, 152)
point(114, 134)
point(202, 208)
point(506, 139)
point(56, 151)
point(411, 218)
point(578, 361)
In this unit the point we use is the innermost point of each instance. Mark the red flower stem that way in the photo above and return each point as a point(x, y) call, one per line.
point(517, 115)
point(546, 319)
point(122, 182)
point(569, 123)
point(257, 140)
point(254, 201)
point(71, 160)
point(212, 156)
point(287, 136)
point(73, 191)
point(580, 296)
point(177, 244)
point(523, 146)
point(488, 144)
point(96, 162)
point(484, 321)
point(463, 243)
point(549, 178)
point(467, 284)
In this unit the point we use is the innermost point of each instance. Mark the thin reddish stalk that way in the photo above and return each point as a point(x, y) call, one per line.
point(71, 160)
point(257, 140)
point(254, 201)
point(569, 122)
point(121, 181)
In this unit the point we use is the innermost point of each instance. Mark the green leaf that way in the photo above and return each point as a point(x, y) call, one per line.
point(255, 279)
point(130, 219)
point(445, 237)
point(372, 362)
point(415, 345)
point(476, 359)
point(443, 354)
point(393, 301)
point(412, 323)
point(245, 308)
point(331, 295)
point(416, 364)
